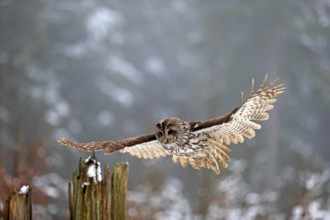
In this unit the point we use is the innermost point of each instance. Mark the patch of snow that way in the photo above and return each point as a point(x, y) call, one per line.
point(24, 189)
point(90, 159)
point(94, 169)
point(84, 184)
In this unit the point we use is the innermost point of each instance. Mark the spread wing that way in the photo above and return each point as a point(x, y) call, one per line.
point(241, 124)
point(144, 146)
point(233, 127)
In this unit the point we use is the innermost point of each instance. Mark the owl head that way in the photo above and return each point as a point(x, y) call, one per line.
point(172, 130)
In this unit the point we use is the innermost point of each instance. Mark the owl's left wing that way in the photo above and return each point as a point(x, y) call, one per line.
point(233, 127)
point(144, 146)
point(241, 123)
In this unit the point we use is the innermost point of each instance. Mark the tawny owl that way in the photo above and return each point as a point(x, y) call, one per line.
point(198, 143)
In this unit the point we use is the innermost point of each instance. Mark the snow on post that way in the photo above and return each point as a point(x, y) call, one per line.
point(89, 192)
point(19, 204)
point(94, 169)
point(24, 189)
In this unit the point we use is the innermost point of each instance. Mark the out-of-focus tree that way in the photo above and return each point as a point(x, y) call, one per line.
point(29, 100)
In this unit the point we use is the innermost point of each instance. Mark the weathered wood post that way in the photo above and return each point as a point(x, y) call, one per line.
point(118, 192)
point(19, 205)
point(89, 193)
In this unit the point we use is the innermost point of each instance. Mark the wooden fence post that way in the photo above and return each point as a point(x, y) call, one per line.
point(89, 194)
point(19, 205)
point(119, 191)
point(89, 197)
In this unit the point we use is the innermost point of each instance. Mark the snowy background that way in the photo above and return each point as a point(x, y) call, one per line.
point(106, 70)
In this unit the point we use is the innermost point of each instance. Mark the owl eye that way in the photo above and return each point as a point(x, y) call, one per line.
point(159, 133)
point(171, 132)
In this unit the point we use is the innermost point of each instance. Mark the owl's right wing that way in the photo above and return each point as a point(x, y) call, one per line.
point(143, 146)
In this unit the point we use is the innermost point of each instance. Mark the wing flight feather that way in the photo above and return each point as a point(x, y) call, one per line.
point(233, 127)
point(242, 125)
point(237, 126)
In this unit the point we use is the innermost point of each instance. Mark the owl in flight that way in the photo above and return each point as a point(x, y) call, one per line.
point(198, 143)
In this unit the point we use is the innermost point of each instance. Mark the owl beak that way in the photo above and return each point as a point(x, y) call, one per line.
point(165, 140)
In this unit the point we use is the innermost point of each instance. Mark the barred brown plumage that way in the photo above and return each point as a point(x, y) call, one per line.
point(198, 143)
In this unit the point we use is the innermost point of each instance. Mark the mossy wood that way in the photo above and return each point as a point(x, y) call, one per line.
point(91, 200)
point(19, 206)
point(88, 199)
point(118, 192)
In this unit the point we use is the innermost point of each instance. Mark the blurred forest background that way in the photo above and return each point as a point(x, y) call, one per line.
point(105, 70)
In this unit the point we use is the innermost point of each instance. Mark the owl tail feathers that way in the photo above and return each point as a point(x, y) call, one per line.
point(209, 159)
point(197, 162)
point(219, 151)
point(214, 154)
